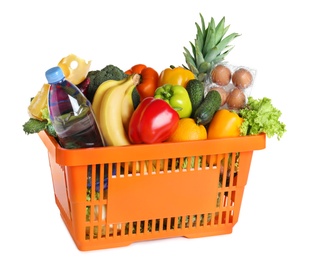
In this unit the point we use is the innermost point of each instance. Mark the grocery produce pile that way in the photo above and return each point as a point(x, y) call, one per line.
point(204, 99)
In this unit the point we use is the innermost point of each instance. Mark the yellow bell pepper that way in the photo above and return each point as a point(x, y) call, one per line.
point(225, 123)
point(175, 76)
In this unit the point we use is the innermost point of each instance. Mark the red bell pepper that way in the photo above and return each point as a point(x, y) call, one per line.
point(153, 121)
point(148, 82)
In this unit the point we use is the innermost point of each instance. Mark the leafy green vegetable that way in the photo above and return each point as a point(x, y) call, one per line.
point(45, 114)
point(33, 126)
point(97, 77)
point(260, 116)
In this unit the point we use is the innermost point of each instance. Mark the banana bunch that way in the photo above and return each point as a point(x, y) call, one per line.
point(113, 107)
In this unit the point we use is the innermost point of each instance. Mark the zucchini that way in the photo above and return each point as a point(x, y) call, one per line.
point(206, 110)
point(195, 89)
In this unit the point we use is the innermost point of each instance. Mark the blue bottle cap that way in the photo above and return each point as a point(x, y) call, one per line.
point(54, 75)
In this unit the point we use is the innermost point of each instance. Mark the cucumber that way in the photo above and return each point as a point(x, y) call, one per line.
point(195, 89)
point(135, 98)
point(206, 110)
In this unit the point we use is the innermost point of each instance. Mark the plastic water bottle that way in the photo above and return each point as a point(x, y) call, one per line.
point(71, 113)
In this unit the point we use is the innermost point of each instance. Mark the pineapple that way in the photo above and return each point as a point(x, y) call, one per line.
point(209, 48)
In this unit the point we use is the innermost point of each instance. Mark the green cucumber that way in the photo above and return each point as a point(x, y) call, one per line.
point(195, 89)
point(135, 98)
point(206, 110)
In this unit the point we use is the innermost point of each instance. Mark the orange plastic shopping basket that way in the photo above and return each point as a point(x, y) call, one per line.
point(114, 196)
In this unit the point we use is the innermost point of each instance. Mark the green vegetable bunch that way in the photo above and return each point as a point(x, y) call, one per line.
point(97, 77)
point(260, 116)
point(33, 126)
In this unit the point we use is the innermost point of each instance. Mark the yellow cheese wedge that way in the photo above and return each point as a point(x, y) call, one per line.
point(39, 102)
point(74, 68)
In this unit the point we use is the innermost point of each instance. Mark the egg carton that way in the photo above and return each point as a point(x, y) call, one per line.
point(233, 82)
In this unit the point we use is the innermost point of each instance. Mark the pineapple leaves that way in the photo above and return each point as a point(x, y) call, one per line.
point(199, 58)
point(209, 47)
point(221, 57)
point(193, 50)
point(199, 41)
point(190, 61)
point(209, 37)
point(220, 30)
point(203, 67)
point(209, 41)
point(202, 22)
point(212, 54)
point(219, 48)
point(223, 44)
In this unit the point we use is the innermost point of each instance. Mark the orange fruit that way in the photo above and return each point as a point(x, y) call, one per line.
point(188, 130)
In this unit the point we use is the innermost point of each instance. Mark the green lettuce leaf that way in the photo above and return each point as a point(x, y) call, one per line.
point(260, 116)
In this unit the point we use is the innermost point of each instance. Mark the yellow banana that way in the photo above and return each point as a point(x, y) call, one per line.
point(98, 96)
point(110, 120)
point(127, 107)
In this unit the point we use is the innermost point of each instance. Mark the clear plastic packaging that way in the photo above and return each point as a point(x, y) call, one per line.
point(234, 84)
point(71, 113)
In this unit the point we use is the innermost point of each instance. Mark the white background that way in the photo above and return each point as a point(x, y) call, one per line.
point(275, 218)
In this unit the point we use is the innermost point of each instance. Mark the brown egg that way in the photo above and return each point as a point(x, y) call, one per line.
point(242, 78)
point(221, 75)
point(222, 93)
point(236, 99)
